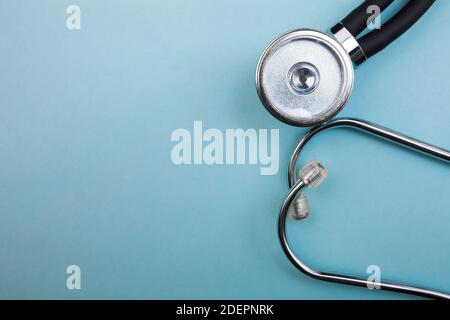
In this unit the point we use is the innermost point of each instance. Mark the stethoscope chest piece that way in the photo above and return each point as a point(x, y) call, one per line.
point(304, 77)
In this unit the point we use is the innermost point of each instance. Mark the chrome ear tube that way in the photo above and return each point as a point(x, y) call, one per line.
point(296, 206)
point(305, 77)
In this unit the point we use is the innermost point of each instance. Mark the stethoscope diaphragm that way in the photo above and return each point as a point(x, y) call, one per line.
point(304, 77)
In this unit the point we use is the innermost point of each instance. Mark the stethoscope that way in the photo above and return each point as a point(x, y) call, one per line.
point(304, 78)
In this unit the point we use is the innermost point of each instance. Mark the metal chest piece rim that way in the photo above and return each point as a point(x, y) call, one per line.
point(304, 77)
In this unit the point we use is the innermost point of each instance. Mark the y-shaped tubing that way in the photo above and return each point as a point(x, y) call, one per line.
point(297, 186)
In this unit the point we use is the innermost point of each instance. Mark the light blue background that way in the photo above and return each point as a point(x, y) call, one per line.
point(86, 176)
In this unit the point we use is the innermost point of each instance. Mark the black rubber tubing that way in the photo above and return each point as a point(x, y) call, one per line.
point(377, 40)
point(356, 21)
